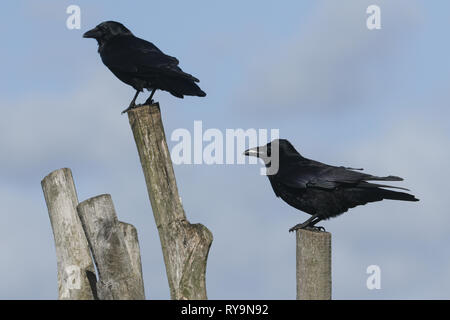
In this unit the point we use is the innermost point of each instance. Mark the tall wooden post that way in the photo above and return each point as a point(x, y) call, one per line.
point(185, 246)
point(118, 278)
point(313, 265)
point(76, 273)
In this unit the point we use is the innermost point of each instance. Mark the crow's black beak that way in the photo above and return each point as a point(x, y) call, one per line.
point(253, 152)
point(93, 33)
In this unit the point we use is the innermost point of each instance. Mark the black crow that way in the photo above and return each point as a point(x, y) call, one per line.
point(140, 63)
point(321, 190)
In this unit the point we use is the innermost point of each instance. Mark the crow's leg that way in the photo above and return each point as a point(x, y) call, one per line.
point(149, 101)
point(313, 227)
point(132, 103)
point(306, 224)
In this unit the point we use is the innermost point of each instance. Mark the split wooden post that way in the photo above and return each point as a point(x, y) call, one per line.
point(118, 279)
point(76, 273)
point(132, 243)
point(313, 265)
point(185, 246)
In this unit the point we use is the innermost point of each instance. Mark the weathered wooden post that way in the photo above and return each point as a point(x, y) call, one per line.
point(119, 275)
point(132, 243)
point(185, 246)
point(313, 265)
point(76, 273)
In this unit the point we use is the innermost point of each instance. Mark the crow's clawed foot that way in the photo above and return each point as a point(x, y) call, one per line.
point(132, 106)
point(149, 102)
point(314, 228)
point(297, 227)
point(306, 227)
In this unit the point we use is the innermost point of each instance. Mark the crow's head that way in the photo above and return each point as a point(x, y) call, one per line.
point(283, 146)
point(106, 31)
point(275, 154)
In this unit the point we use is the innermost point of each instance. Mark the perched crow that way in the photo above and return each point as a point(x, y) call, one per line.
point(140, 63)
point(321, 190)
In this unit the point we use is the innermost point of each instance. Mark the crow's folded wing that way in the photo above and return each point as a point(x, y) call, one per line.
point(313, 174)
point(140, 58)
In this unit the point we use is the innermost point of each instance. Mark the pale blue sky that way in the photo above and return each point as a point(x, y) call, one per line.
point(340, 93)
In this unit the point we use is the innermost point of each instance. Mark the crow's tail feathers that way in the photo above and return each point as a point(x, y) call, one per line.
point(184, 87)
point(383, 193)
point(395, 195)
point(388, 178)
point(365, 184)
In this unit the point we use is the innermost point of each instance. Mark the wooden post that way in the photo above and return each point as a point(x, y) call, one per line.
point(132, 243)
point(313, 265)
point(185, 246)
point(117, 277)
point(76, 273)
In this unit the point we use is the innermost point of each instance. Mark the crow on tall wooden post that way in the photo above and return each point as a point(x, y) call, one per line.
point(140, 63)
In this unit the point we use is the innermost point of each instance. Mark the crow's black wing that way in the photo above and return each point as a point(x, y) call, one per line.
point(297, 174)
point(313, 174)
point(140, 58)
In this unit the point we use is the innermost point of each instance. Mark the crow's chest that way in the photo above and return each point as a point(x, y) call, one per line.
point(297, 198)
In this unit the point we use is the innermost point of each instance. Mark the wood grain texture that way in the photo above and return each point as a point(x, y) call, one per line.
point(76, 273)
point(313, 265)
point(118, 280)
point(185, 246)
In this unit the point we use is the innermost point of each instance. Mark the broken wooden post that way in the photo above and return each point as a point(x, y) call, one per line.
point(185, 246)
point(76, 273)
point(132, 243)
point(118, 280)
point(313, 265)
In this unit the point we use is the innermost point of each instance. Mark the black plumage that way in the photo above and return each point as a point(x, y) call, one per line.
point(321, 190)
point(140, 63)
